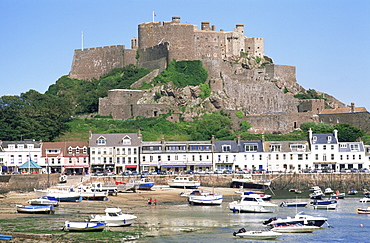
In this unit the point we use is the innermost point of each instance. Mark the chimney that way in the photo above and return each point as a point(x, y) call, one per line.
point(205, 26)
point(352, 107)
point(238, 140)
point(214, 27)
point(336, 134)
point(213, 139)
point(310, 135)
point(176, 19)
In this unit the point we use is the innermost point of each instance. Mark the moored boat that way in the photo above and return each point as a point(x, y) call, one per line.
point(183, 182)
point(365, 200)
point(328, 191)
point(363, 210)
point(198, 197)
point(248, 182)
point(293, 204)
point(317, 194)
point(84, 226)
point(295, 228)
point(299, 218)
point(352, 192)
point(61, 193)
point(6, 237)
point(114, 217)
point(35, 209)
point(262, 195)
point(252, 205)
point(44, 201)
point(144, 183)
point(338, 195)
point(324, 204)
point(257, 234)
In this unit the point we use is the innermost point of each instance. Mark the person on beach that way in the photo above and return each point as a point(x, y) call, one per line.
point(149, 201)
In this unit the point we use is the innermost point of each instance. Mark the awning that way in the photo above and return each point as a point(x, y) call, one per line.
point(75, 167)
point(220, 163)
point(203, 165)
point(173, 165)
point(131, 166)
point(324, 162)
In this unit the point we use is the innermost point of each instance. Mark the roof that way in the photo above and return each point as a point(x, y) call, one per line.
point(235, 147)
point(324, 139)
point(30, 165)
point(114, 139)
point(343, 110)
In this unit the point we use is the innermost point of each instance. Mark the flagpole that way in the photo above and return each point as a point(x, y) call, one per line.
point(153, 16)
point(82, 40)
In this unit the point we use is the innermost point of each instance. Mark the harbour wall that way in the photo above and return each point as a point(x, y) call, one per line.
point(283, 181)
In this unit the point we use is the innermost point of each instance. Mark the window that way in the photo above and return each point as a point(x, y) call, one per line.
point(316, 147)
point(332, 156)
point(354, 147)
point(77, 150)
point(300, 156)
point(69, 150)
point(343, 145)
point(332, 147)
point(324, 147)
point(316, 157)
point(226, 148)
point(275, 147)
point(297, 147)
point(101, 141)
point(20, 147)
point(126, 140)
point(324, 157)
point(168, 157)
point(341, 157)
point(277, 156)
point(251, 148)
point(70, 160)
point(291, 156)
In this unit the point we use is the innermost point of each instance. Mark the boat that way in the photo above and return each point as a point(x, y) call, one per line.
point(183, 182)
point(198, 197)
point(315, 188)
point(84, 226)
point(87, 193)
point(144, 183)
point(108, 187)
point(35, 208)
point(328, 191)
point(365, 200)
point(299, 218)
point(262, 195)
point(61, 193)
point(363, 210)
point(294, 228)
point(324, 204)
point(257, 234)
point(317, 195)
point(6, 237)
point(352, 192)
point(44, 201)
point(248, 182)
point(124, 187)
point(114, 217)
point(252, 204)
point(338, 195)
point(293, 204)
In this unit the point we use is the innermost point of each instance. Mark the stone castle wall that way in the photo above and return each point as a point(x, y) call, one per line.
point(94, 62)
point(358, 119)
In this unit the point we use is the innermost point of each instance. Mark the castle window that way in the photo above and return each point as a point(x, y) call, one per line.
point(155, 113)
point(206, 39)
point(338, 121)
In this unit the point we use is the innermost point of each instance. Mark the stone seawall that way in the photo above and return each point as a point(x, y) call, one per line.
point(26, 183)
point(337, 181)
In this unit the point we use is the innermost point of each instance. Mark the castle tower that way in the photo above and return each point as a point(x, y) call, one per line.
point(134, 43)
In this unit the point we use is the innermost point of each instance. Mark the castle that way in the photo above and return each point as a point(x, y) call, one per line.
point(241, 77)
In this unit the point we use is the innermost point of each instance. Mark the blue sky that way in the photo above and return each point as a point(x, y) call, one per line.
point(327, 41)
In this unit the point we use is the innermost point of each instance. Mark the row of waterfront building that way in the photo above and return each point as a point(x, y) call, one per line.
point(120, 152)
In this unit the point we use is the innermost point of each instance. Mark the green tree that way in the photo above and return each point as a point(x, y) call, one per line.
point(348, 133)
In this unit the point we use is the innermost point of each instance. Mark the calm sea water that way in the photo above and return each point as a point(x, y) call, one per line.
point(211, 224)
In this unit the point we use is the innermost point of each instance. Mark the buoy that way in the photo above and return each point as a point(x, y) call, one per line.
point(361, 225)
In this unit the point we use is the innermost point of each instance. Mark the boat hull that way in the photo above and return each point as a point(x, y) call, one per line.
point(363, 210)
point(295, 229)
point(293, 204)
point(258, 235)
point(114, 217)
point(79, 226)
point(247, 184)
point(48, 209)
point(205, 200)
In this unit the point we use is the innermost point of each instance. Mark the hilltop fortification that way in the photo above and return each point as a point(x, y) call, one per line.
point(241, 77)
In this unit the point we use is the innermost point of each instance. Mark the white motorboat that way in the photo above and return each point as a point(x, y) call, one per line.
point(317, 194)
point(299, 218)
point(110, 188)
point(365, 200)
point(252, 204)
point(262, 195)
point(328, 191)
point(87, 193)
point(35, 208)
point(61, 193)
point(204, 198)
point(295, 228)
point(315, 188)
point(114, 217)
point(144, 183)
point(257, 234)
point(84, 225)
point(183, 182)
point(44, 201)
